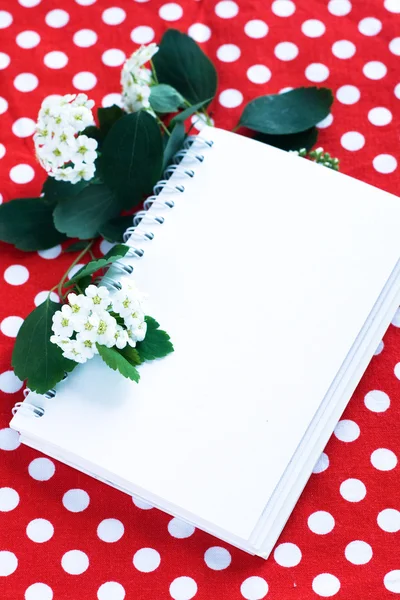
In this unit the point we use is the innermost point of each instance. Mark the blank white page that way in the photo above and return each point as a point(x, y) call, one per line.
point(263, 274)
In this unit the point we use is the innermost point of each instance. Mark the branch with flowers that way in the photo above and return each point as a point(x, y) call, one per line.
point(98, 172)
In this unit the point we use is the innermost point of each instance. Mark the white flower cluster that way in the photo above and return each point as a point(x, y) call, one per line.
point(66, 155)
point(89, 318)
point(136, 79)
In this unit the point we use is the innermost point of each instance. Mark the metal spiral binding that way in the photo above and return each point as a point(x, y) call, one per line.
point(134, 232)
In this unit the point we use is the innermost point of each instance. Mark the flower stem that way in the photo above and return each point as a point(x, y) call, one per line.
point(64, 277)
point(163, 126)
point(153, 71)
point(207, 116)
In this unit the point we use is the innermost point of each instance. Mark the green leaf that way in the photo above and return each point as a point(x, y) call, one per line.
point(294, 141)
point(93, 132)
point(287, 113)
point(131, 355)
point(107, 117)
point(77, 246)
point(182, 64)
point(132, 157)
point(165, 99)
point(156, 344)
point(115, 253)
point(174, 143)
point(83, 215)
point(188, 112)
point(59, 190)
point(34, 357)
point(113, 230)
point(27, 223)
point(82, 284)
point(117, 362)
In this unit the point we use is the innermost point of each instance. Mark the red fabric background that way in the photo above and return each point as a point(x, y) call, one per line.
point(322, 546)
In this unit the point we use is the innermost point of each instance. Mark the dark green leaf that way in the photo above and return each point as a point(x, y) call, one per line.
point(132, 157)
point(34, 357)
point(182, 64)
point(77, 246)
point(113, 230)
point(175, 142)
point(82, 284)
point(117, 362)
point(115, 253)
point(295, 141)
point(59, 190)
point(165, 99)
point(156, 344)
point(188, 112)
point(107, 117)
point(83, 215)
point(27, 223)
point(291, 112)
point(93, 132)
point(131, 355)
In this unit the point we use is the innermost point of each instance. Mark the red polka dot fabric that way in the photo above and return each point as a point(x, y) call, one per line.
point(65, 536)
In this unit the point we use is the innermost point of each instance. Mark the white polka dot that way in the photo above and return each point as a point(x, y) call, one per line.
point(326, 585)
point(259, 74)
point(374, 70)
point(24, 127)
point(39, 591)
point(9, 439)
point(256, 29)
point(392, 6)
point(139, 503)
point(389, 520)
point(352, 140)
point(146, 560)
point(322, 464)
point(384, 163)
point(228, 52)
point(391, 581)
point(171, 12)
point(42, 297)
point(55, 60)
point(199, 32)
point(287, 555)
point(4, 60)
point(113, 15)
point(254, 588)
point(217, 558)
point(40, 530)
point(8, 563)
point(317, 72)
point(28, 39)
point(379, 116)
point(353, 490)
point(57, 18)
point(29, 3)
point(283, 8)
point(85, 2)
point(343, 49)
point(183, 588)
point(397, 370)
point(11, 325)
point(347, 431)
point(325, 122)
point(5, 19)
point(226, 9)
point(110, 530)
point(142, 34)
point(3, 105)
point(379, 348)
point(109, 100)
point(377, 401)
point(76, 500)
point(348, 94)
point(16, 275)
point(358, 552)
point(180, 529)
point(111, 590)
point(26, 82)
point(9, 499)
point(22, 174)
point(286, 51)
point(75, 562)
point(230, 98)
point(321, 522)
point(313, 28)
point(369, 26)
point(339, 8)
point(84, 81)
point(383, 459)
point(84, 38)
point(2, 150)
point(113, 57)
point(10, 383)
point(397, 91)
point(50, 252)
point(74, 270)
point(41, 469)
point(394, 46)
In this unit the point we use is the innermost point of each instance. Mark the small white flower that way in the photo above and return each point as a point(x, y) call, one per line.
point(143, 54)
point(80, 117)
point(75, 351)
point(99, 297)
point(80, 305)
point(137, 79)
point(82, 100)
point(60, 340)
point(105, 327)
point(139, 333)
point(135, 318)
point(63, 322)
point(126, 301)
point(84, 171)
point(121, 337)
point(87, 345)
point(86, 148)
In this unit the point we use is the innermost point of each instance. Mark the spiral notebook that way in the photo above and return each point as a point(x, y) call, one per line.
point(276, 279)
